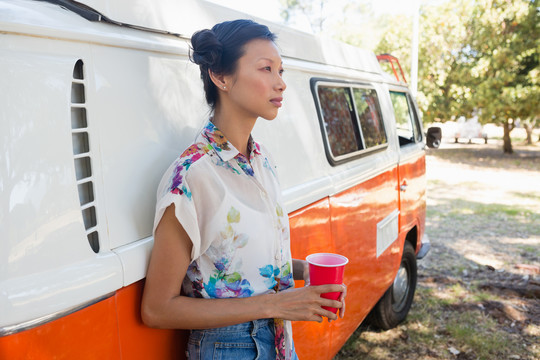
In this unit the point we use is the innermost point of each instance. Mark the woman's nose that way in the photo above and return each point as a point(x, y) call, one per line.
point(281, 84)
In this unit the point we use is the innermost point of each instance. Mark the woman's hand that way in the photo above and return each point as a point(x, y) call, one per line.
point(301, 272)
point(305, 304)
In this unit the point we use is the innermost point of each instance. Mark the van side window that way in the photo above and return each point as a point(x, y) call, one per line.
point(406, 122)
point(369, 114)
point(351, 119)
point(339, 120)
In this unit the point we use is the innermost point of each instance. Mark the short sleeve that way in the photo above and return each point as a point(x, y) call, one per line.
point(185, 209)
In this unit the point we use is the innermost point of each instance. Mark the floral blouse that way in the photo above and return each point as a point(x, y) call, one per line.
point(231, 208)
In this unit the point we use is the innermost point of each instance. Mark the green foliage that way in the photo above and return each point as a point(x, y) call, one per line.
point(503, 59)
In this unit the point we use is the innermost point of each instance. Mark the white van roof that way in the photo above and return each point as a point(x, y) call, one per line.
point(187, 16)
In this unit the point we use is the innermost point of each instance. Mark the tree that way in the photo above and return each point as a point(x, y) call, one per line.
point(312, 10)
point(476, 57)
point(335, 19)
point(502, 61)
point(442, 35)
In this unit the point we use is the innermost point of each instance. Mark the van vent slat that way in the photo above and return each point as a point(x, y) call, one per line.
point(82, 156)
point(85, 180)
point(91, 230)
point(87, 205)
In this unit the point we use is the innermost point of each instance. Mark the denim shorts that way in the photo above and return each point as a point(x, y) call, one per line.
point(249, 340)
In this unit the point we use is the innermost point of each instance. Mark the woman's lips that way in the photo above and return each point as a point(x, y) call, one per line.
point(277, 101)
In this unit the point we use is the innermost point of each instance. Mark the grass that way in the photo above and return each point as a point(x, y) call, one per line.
point(535, 196)
point(474, 332)
point(442, 317)
point(518, 217)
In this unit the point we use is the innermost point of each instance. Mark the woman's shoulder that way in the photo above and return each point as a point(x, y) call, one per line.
point(174, 179)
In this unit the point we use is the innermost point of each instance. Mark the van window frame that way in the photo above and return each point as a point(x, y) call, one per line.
point(413, 110)
point(349, 86)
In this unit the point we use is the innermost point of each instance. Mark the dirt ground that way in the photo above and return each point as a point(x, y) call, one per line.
point(479, 287)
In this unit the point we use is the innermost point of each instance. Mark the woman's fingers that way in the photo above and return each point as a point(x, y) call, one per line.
point(307, 304)
point(342, 299)
point(330, 288)
point(338, 304)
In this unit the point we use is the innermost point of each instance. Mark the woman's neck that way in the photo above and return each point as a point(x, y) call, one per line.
point(236, 129)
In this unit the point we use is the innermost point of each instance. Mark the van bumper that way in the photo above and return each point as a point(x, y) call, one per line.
point(424, 247)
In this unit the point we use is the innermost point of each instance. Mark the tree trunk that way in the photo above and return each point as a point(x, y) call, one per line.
point(529, 130)
point(507, 142)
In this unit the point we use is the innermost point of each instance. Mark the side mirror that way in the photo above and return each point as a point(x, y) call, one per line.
point(433, 137)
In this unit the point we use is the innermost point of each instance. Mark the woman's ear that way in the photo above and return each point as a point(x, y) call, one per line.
point(218, 80)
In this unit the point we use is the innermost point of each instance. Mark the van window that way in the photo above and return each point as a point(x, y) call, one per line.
point(406, 122)
point(351, 120)
point(369, 114)
point(339, 120)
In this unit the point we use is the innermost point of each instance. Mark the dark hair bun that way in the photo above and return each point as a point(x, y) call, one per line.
point(207, 50)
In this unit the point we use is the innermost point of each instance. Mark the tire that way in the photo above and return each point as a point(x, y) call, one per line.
point(395, 304)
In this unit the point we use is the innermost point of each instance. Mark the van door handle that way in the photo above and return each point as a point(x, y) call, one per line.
point(403, 187)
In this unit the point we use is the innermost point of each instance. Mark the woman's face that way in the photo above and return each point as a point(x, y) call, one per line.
point(256, 88)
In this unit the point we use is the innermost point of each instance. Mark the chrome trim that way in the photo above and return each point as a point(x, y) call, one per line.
point(424, 247)
point(13, 329)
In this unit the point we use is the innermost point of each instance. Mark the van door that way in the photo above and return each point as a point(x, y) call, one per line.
point(363, 208)
point(412, 167)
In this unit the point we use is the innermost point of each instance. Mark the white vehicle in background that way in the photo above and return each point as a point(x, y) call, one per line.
point(469, 129)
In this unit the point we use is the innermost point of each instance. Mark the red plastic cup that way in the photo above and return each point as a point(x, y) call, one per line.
point(326, 268)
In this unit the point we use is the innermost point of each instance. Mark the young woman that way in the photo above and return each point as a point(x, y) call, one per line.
point(221, 263)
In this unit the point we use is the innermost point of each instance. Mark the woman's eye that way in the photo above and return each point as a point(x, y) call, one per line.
point(267, 68)
point(281, 71)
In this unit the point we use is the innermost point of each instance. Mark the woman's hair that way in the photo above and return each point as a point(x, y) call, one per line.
point(220, 48)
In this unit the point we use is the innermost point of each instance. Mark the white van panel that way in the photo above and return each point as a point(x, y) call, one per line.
point(48, 21)
point(46, 263)
point(186, 16)
point(148, 113)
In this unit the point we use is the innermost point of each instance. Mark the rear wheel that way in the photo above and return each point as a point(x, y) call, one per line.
point(395, 304)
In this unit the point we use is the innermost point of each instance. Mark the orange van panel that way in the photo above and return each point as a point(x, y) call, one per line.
point(138, 341)
point(355, 214)
point(109, 329)
point(90, 333)
point(413, 200)
point(311, 233)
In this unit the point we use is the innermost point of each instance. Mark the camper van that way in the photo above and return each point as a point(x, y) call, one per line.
point(98, 97)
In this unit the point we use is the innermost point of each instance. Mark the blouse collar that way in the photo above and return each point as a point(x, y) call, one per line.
point(224, 149)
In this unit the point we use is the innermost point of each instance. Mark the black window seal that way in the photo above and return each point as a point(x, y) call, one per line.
point(335, 161)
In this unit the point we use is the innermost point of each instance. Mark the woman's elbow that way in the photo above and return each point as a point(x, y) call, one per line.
point(150, 317)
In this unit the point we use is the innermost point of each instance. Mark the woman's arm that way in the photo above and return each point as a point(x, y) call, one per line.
point(164, 307)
